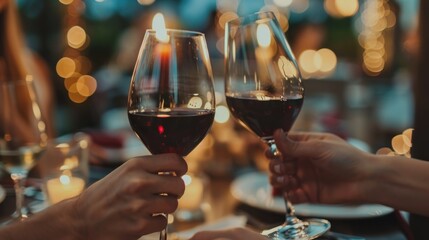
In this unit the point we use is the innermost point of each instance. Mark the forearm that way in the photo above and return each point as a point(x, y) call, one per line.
point(55, 222)
point(401, 183)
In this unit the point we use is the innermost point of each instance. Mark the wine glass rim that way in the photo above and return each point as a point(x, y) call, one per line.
point(253, 16)
point(179, 32)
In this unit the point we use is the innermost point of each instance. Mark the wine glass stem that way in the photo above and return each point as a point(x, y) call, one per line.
point(18, 180)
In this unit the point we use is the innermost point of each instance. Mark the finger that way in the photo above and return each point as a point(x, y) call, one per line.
point(295, 149)
point(161, 204)
point(147, 184)
point(161, 163)
point(155, 223)
point(276, 167)
point(284, 181)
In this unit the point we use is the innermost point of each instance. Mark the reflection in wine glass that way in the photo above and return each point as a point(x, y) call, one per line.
point(171, 96)
point(264, 91)
point(22, 135)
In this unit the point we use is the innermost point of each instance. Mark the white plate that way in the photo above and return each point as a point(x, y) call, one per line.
point(255, 190)
point(2, 194)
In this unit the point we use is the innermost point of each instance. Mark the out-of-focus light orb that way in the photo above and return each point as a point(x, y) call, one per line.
point(195, 102)
point(347, 8)
point(226, 17)
point(145, 2)
point(76, 97)
point(263, 35)
point(399, 146)
point(68, 82)
point(287, 68)
point(384, 151)
point(65, 67)
point(187, 179)
point(300, 6)
point(158, 24)
point(222, 114)
point(227, 5)
point(306, 61)
point(66, 2)
point(329, 60)
point(408, 136)
point(86, 85)
point(282, 3)
point(76, 37)
point(341, 8)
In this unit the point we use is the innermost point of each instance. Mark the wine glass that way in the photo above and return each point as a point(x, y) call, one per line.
point(264, 91)
point(171, 96)
point(22, 135)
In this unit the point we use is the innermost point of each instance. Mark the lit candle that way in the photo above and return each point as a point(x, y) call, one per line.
point(163, 53)
point(64, 187)
point(193, 196)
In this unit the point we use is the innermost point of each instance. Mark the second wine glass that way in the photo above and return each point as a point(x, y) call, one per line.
point(264, 91)
point(171, 97)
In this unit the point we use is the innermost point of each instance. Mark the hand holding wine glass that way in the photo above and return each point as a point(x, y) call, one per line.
point(171, 96)
point(22, 134)
point(264, 91)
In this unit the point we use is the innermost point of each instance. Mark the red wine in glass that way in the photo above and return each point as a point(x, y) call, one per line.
point(257, 114)
point(178, 131)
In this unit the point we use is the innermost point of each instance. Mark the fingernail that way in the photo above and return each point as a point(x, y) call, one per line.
point(280, 179)
point(277, 168)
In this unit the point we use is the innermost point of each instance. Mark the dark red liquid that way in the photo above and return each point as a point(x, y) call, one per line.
point(178, 131)
point(264, 117)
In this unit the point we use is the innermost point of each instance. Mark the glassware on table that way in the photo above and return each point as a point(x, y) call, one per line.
point(22, 135)
point(64, 167)
point(171, 97)
point(264, 91)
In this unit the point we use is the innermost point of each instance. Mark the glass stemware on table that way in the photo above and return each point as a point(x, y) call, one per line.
point(171, 97)
point(22, 135)
point(264, 91)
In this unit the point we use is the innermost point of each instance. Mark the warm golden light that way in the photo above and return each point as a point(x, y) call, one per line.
point(306, 61)
point(399, 145)
point(263, 35)
point(76, 97)
point(287, 68)
point(66, 2)
point(86, 85)
point(347, 8)
point(158, 24)
point(76, 37)
point(65, 67)
point(328, 58)
point(225, 17)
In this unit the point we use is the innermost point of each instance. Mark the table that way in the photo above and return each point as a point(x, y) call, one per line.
point(222, 204)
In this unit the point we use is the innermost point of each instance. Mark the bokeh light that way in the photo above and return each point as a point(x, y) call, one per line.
point(65, 67)
point(76, 37)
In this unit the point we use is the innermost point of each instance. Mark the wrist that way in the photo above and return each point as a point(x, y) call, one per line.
point(375, 175)
point(70, 218)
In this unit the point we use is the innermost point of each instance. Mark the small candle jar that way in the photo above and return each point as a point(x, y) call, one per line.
point(64, 168)
point(190, 204)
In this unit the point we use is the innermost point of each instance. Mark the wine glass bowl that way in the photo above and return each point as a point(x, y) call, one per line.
point(171, 100)
point(265, 92)
point(22, 135)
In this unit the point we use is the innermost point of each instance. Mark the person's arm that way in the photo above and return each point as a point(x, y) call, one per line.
point(323, 168)
point(401, 183)
point(123, 205)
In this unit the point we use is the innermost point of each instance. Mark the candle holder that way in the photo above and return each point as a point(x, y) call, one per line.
point(64, 168)
point(190, 204)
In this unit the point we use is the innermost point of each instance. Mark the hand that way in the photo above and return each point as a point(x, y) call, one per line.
point(122, 205)
point(319, 168)
point(229, 234)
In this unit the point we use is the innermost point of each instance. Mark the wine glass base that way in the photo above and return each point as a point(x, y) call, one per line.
point(314, 229)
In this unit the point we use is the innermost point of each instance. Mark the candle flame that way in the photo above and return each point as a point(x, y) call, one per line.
point(158, 24)
point(263, 35)
point(64, 179)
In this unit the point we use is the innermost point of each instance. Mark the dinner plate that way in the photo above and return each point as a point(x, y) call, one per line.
point(254, 189)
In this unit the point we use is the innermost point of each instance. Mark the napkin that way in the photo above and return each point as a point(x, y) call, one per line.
point(231, 221)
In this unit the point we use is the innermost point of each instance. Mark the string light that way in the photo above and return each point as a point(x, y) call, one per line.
point(73, 66)
point(377, 20)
